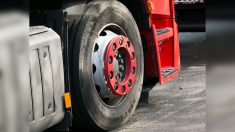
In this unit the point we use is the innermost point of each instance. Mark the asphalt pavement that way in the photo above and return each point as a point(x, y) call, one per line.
point(180, 105)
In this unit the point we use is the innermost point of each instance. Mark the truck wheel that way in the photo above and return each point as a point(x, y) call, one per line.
point(107, 67)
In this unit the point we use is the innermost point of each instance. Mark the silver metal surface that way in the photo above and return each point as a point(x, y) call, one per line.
point(46, 107)
point(102, 42)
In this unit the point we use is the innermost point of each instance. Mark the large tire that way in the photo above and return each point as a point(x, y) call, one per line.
point(88, 110)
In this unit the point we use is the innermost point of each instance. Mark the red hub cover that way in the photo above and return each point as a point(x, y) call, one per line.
point(120, 65)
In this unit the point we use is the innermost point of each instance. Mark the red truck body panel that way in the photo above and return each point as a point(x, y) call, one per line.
point(163, 60)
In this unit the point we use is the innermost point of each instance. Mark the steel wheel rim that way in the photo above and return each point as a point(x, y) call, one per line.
point(103, 47)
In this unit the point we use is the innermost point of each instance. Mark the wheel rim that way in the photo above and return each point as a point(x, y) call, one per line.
point(114, 65)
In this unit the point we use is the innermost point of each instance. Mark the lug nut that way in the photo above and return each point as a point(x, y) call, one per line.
point(119, 75)
point(111, 75)
point(128, 44)
point(119, 56)
point(121, 41)
point(121, 60)
point(110, 59)
point(129, 83)
point(133, 70)
point(123, 89)
point(121, 68)
point(116, 85)
point(132, 56)
point(114, 47)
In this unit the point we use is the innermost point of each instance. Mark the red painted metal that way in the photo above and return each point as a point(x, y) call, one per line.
point(124, 44)
point(162, 50)
point(161, 7)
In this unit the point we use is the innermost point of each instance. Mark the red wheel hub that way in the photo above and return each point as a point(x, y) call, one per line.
point(120, 65)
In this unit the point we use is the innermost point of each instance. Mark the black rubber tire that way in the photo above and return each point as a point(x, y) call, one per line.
point(88, 110)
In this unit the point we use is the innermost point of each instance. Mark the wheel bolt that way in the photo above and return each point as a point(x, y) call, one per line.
point(114, 47)
point(121, 60)
point(119, 75)
point(116, 85)
point(123, 89)
point(132, 56)
point(110, 59)
point(129, 83)
point(133, 70)
point(121, 41)
point(121, 68)
point(111, 75)
point(119, 56)
point(128, 44)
